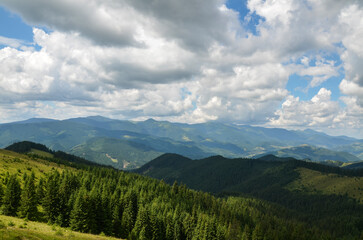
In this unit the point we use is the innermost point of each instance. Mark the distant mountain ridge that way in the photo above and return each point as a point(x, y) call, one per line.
point(315, 154)
point(135, 143)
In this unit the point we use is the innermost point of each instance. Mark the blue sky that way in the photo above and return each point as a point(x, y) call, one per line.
point(12, 26)
point(296, 64)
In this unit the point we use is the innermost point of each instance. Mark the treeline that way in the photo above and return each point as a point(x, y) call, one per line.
point(120, 204)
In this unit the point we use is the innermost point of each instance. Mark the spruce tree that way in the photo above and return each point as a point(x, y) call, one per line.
point(257, 233)
point(28, 203)
point(1, 193)
point(11, 197)
point(246, 235)
point(51, 199)
point(127, 221)
point(40, 191)
point(83, 216)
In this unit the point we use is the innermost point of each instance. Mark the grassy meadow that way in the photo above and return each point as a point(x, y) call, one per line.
point(312, 181)
point(16, 228)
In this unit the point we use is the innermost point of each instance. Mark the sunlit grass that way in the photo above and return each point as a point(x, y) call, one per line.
point(317, 182)
point(15, 163)
point(16, 228)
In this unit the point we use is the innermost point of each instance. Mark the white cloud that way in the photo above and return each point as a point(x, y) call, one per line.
point(319, 111)
point(352, 89)
point(15, 43)
point(320, 72)
point(351, 19)
point(137, 59)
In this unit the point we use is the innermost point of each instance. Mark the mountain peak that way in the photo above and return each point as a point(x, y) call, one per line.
point(150, 120)
point(35, 120)
point(98, 118)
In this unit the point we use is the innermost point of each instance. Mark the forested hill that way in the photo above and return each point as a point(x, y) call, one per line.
point(218, 174)
point(318, 194)
point(97, 200)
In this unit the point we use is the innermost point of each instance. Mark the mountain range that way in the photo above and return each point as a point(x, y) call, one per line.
point(130, 144)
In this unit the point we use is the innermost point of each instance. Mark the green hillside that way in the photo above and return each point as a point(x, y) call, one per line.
point(309, 189)
point(100, 200)
point(254, 176)
point(15, 228)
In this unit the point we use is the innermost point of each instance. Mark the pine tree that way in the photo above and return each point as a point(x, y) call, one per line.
point(1, 193)
point(40, 191)
point(127, 221)
point(257, 233)
point(188, 226)
point(51, 199)
point(67, 187)
point(143, 223)
point(246, 235)
point(28, 203)
point(83, 216)
point(11, 197)
point(116, 221)
point(234, 231)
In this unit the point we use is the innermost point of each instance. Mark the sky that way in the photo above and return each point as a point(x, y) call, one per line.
point(292, 64)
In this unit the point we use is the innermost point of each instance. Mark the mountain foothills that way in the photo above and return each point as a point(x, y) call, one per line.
point(130, 144)
point(69, 192)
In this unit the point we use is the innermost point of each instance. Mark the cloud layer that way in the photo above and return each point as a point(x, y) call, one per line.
point(189, 61)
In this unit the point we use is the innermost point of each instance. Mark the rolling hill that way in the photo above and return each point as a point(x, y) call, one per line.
point(251, 176)
point(139, 142)
point(308, 188)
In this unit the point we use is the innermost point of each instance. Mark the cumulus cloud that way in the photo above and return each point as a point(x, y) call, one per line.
point(319, 111)
point(188, 61)
point(101, 23)
point(351, 18)
point(193, 23)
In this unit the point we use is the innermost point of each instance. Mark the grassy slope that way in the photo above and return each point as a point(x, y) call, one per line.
point(41, 153)
point(18, 163)
point(16, 228)
point(312, 181)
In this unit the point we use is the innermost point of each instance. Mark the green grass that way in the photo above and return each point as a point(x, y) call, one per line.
point(16, 228)
point(15, 163)
point(41, 153)
point(313, 181)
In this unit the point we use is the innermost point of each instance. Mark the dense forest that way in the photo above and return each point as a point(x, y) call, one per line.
point(103, 200)
point(319, 195)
